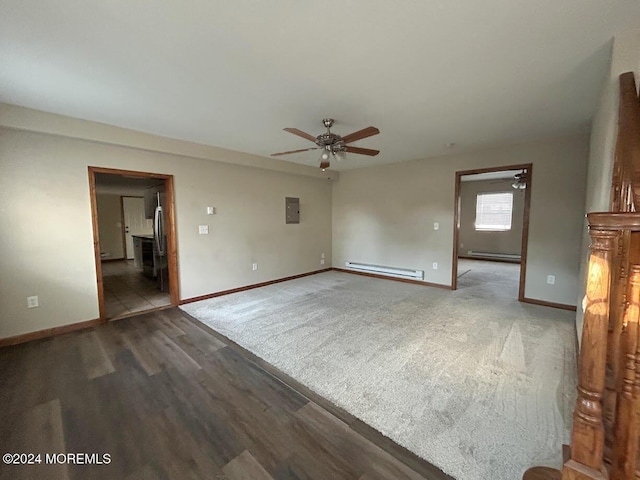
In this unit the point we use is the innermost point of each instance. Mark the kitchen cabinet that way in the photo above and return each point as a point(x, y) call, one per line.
point(137, 252)
point(143, 247)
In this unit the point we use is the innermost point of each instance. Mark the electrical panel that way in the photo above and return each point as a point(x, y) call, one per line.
point(292, 210)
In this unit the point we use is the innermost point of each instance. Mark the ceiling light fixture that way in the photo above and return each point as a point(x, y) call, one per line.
point(324, 158)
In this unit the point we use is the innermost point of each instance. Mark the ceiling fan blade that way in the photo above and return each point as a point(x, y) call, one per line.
point(293, 151)
point(300, 133)
point(324, 164)
point(360, 134)
point(362, 151)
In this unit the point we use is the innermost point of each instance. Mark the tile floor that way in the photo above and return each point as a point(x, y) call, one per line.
point(127, 290)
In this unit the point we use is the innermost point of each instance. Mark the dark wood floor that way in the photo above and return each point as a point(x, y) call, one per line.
point(168, 399)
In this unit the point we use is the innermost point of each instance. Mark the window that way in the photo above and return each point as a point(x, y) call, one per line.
point(493, 211)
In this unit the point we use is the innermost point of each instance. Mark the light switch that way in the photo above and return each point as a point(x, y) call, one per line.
point(203, 229)
point(436, 226)
point(211, 210)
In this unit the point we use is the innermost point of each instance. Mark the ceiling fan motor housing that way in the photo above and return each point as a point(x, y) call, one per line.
point(330, 141)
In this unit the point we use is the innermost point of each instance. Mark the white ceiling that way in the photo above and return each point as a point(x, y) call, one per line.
point(234, 74)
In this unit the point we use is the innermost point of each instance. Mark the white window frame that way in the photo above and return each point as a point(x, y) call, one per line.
point(490, 210)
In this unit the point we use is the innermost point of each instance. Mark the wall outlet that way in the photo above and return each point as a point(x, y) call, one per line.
point(435, 265)
point(551, 279)
point(322, 261)
point(254, 266)
point(211, 210)
point(32, 302)
point(203, 229)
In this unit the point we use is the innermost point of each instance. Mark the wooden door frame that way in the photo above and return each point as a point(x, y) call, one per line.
point(172, 247)
point(525, 222)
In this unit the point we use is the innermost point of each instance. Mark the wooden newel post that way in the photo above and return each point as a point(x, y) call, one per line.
point(587, 437)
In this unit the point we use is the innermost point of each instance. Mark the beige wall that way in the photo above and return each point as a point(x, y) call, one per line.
point(509, 241)
point(385, 215)
point(381, 215)
point(110, 225)
point(46, 244)
point(625, 57)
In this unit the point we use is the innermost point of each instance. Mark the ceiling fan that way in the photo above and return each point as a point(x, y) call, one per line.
point(520, 180)
point(332, 145)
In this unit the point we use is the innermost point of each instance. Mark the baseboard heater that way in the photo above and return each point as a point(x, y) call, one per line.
point(392, 271)
point(502, 256)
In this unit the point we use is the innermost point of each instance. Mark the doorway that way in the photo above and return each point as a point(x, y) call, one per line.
point(135, 252)
point(491, 225)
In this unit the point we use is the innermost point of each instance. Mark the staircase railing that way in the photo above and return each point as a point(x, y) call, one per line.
point(606, 421)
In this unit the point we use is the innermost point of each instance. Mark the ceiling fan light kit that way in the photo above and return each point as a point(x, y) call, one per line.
point(333, 146)
point(520, 181)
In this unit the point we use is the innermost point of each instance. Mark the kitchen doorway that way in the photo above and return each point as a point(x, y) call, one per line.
point(491, 227)
point(135, 250)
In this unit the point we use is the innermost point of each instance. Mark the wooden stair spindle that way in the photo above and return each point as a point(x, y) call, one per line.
point(634, 434)
point(587, 437)
point(627, 427)
point(636, 408)
point(615, 362)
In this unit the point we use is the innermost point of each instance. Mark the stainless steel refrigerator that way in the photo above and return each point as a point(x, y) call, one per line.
point(160, 263)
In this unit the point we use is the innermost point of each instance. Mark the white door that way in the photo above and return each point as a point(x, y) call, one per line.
point(135, 222)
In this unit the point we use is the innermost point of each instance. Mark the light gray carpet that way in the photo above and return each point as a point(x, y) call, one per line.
point(472, 381)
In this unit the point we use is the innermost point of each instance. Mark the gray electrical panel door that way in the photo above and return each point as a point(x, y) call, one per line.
point(292, 212)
